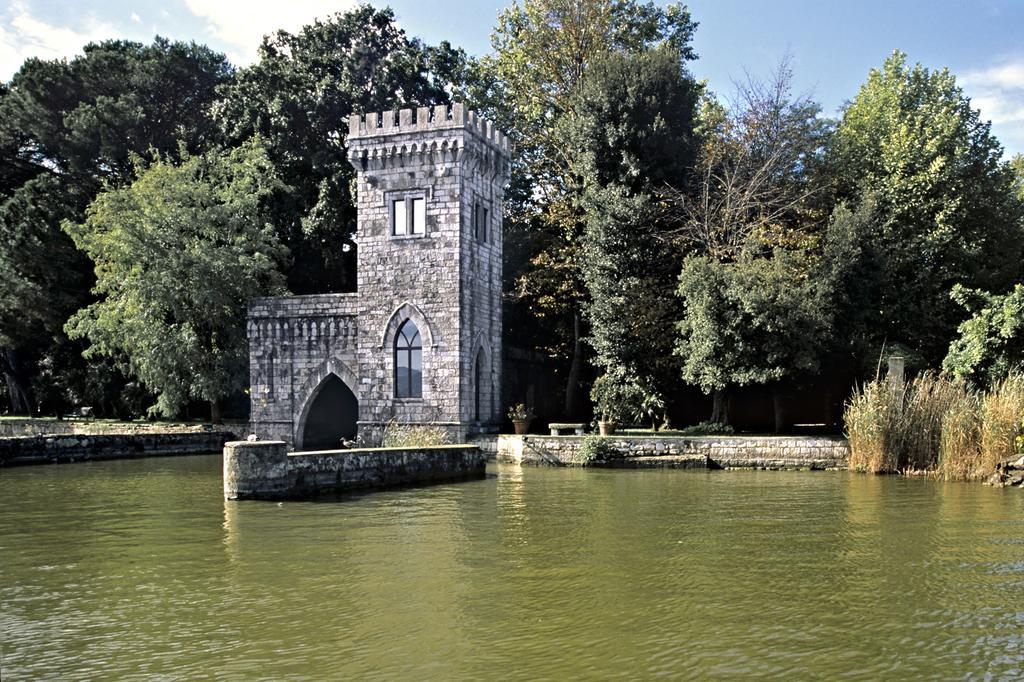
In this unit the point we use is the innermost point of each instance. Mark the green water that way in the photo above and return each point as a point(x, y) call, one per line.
point(113, 570)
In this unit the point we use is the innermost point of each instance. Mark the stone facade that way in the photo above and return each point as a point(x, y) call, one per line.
point(295, 343)
point(446, 279)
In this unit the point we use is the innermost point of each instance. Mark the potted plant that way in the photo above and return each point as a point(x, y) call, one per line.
point(521, 417)
point(606, 394)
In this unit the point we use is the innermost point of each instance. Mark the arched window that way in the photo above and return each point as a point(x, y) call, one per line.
point(478, 380)
point(408, 362)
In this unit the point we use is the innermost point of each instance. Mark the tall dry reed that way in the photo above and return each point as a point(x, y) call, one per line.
point(870, 416)
point(900, 426)
point(1002, 421)
point(931, 397)
point(935, 424)
point(960, 450)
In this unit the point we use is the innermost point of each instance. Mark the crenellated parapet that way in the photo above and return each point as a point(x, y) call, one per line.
point(443, 134)
point(442, 117)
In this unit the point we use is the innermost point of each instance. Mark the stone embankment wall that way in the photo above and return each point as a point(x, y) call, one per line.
point(14, 428)
point(266, 470)
point(756, 452)
point(82, 448)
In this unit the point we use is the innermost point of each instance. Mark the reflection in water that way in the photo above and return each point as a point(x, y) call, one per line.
point(116, 569)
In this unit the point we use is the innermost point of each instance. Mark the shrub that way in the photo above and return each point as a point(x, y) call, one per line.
point(594, 449)
point(398, 435)
point(707, 428)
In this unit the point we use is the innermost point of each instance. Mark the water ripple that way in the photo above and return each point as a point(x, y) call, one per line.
point(140, 570)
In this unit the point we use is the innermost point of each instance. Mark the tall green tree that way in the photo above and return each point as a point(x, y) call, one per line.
point(543, 51)
point(85, 119)
point(66, 127)
point(947, 207)
point(43, 279)
point(759, 320)
point(298, 97)
point(634, 136)
point(751, 218)
point(854, 265)
point(179, 253)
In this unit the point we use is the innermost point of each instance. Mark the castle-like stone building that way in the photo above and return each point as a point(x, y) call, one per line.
point(420, 341)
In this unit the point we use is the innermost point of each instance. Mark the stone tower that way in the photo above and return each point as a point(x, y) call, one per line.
point(430, 187)
point(420, 341)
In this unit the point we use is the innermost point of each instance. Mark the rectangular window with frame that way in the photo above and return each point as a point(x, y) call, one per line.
point(480, 222)
point(408, 216)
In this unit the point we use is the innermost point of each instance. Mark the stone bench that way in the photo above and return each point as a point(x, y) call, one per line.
point(557, 428)
point(80, 413)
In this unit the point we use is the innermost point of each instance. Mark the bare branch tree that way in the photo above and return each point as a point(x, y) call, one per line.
point(751, 174)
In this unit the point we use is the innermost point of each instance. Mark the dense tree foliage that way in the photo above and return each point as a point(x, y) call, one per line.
point(66, 128)
point(41, 273)
point(990, 344)
point(1017, 165)
point(633, 136)
point(757, 320)
point(543, 52)
point(87, 117)
point(179, 253)
point(298, 98)
point(948, 213)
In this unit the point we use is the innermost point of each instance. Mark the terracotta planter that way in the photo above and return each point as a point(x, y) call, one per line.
point(606, 428)
point(522, 426)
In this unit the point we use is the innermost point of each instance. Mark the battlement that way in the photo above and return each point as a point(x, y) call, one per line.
point(441, 117)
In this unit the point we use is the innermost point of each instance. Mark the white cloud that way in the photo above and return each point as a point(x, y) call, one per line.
point(241, 24)
point(998, 92)
point(25, 35)
point(136, 18)
point(1009, 75)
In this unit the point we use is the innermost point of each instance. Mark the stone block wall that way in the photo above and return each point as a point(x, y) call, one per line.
point(758, 452)
point(83, 448)
point(294, 343)
point(19, 428)
point(266, 470)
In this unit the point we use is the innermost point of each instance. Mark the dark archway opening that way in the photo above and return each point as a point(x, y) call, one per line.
point(331, 417)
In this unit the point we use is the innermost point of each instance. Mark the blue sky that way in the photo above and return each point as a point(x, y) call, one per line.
point(833, 44)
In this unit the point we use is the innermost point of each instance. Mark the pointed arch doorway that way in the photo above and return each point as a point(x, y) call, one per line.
point(331, 416)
